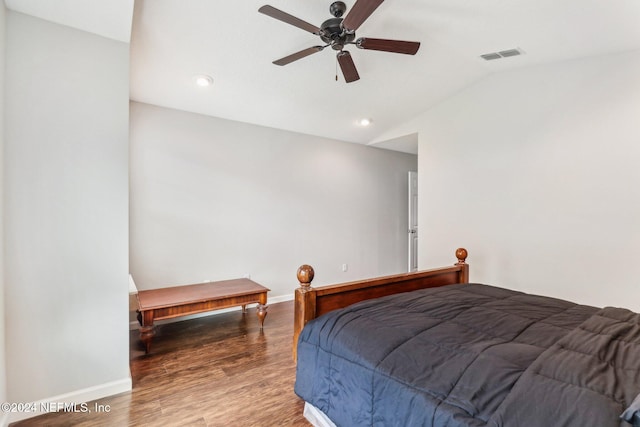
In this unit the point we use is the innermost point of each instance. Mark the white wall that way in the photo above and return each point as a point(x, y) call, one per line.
point(213, 199)
point(536, 172)
point(3, 372)
point(66, 207)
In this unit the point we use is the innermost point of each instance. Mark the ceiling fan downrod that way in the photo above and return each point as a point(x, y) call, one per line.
point(337, 9)
point(332, 31)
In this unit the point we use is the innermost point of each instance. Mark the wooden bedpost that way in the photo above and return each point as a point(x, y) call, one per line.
point(305, 304)
point(461, 254)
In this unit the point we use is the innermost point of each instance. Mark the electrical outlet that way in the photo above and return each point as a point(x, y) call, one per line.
point(345, 267)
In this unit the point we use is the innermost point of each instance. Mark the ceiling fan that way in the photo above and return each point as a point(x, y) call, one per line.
point(338, 32)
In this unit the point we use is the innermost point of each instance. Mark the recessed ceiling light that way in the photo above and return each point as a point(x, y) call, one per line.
point(364, 122)
point(203, 80)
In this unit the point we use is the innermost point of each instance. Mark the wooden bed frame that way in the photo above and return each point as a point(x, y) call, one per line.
point(313, 302)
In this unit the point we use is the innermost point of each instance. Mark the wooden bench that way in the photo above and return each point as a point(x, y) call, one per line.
point(176, 301)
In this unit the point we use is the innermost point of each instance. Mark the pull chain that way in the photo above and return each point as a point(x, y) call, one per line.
point(336, 68)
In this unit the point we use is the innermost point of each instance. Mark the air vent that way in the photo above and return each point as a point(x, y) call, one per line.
point(510, 52)
point(490, 56)
point(502, 54)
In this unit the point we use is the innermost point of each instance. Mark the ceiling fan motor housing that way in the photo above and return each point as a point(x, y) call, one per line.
point(334, 35)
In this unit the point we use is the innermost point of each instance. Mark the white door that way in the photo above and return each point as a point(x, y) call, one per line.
point(413, 221)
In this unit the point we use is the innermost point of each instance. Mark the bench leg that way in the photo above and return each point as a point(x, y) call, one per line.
point(146, 329)
point(146, 336)
point(262, 313)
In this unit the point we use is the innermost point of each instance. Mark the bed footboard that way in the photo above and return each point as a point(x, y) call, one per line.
point(313, 302)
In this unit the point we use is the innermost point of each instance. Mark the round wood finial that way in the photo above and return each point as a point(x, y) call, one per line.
point(461, 254)
point(305, 275)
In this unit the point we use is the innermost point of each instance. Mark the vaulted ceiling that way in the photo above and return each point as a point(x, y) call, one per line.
point(174, 40)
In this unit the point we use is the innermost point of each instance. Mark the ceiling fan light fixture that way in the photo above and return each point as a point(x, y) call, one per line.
point(203, 80)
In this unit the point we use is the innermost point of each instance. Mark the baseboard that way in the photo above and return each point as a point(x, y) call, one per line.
point(77, 397)
point(134, 325)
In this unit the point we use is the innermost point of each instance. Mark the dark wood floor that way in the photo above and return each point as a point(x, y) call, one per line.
point(213, 371)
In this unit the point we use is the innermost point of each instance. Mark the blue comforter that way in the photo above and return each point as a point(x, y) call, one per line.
point(471, 355)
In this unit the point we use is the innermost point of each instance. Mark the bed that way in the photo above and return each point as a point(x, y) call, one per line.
point(431, 349)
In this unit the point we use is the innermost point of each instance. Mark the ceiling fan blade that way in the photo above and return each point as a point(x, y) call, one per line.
point(359, 13)
point(289, 19)
point(298, 55)
point(348, 67)
point(395, 46)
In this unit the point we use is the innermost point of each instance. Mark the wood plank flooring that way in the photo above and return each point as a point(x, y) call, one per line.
point(213, 371)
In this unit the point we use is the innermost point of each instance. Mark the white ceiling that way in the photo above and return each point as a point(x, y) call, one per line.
point(108, 18)
point(173, 40)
